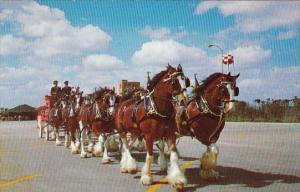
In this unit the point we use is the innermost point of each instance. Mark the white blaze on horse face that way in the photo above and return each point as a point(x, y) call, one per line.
point(77, 102)
point(182, 96)
point(71, 112)
point(112, 101)
point(229, 105)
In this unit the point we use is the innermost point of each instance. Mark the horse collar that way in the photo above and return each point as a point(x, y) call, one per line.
point(150, 106)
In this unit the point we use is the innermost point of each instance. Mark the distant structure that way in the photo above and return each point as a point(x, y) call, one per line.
point(124, 85)
point(21, 112)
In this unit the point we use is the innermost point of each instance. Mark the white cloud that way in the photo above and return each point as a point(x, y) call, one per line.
point(159, 33)
point(276, 83)
point(160, 53)
point(250, 56)
point(287, 35)
point(102, 63)
point(51, 34)
point(10, 45)
point(255, 16)
point(5, 14)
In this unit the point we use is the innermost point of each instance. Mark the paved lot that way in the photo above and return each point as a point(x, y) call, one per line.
point(253, 157)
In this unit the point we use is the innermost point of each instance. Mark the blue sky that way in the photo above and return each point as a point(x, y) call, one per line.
point(97, 43)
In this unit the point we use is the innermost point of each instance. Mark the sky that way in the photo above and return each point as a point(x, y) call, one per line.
point(97, 43)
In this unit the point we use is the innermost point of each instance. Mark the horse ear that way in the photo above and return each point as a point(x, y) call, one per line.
point(229, 74)
point(237, 76)
point(179, 68)
point(113, 89)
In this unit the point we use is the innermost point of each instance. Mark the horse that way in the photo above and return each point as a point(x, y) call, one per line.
point(205, 116)
point(153, 118)
point(70, 113)
point(102, 121)
point(56, 120)
point(96, 115)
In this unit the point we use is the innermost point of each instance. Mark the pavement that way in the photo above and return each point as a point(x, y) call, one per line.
point(253, 157)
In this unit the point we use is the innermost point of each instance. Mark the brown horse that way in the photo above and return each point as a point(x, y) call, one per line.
point(206, 114)
point(56, 120)
point(154, 119)
point(70, 113)
point(104, 105)
point(96, 115)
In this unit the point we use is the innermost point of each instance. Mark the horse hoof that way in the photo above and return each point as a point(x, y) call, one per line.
point(90, 149)
point(97, 153)
point(74, 151)
point(123, 170)
point(58, 143)
point(132, 171)
point(178, 186)
point(106, 161)
point(146, 180)
point(83, 155)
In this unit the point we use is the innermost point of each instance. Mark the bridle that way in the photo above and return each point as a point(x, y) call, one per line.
point(153, 110)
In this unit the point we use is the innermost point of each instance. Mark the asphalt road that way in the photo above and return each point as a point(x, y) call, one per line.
point(253, 157)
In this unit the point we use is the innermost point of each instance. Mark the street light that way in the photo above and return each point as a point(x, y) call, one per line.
point(222, 52)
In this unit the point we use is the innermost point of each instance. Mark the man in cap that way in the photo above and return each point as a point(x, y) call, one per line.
point(66, 90)
point(55, 90)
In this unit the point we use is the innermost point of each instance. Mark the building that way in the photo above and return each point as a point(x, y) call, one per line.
point(124, 85)
point(21, 112)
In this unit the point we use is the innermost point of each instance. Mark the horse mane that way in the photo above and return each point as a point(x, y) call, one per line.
point(197, 91)
point(128, 94)
point(155, 79)
point(99, 92)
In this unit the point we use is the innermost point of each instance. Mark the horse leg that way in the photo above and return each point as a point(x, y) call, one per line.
point(57, 140)
point(162, 160)
point(98, 149)
point(91, 144)
point(74, 148)
point(141, 145)
point(128, 163)
point(77, 142)
point(106, 159)
point(112, 144)
point(67, 136)
point(146, 178)
point(83, 153)
point(208, 162)
point(175, 176)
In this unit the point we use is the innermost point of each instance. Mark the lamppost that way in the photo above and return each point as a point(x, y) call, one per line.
point(222, 52)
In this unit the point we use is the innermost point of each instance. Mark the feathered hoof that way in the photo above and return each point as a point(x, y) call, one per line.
point(77, 144)
point(58, 143)
point(83, 155)
point(74, 151)
point(132, 170)
point(209, 175)
point(106, 161)
point(123, 170)
point(67, 145)
point(178, 186)
point(97, 153)
point(90, 148)
point(146, 179)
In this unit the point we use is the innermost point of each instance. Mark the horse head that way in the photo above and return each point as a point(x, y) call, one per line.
point(107, 100)
point(177, 83)
point(219, 90)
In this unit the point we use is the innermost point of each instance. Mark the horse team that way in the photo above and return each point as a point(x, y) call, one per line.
point(152, 115)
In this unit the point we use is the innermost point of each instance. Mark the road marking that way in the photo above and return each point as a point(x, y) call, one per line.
point(155, 187)
point(18, 180)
